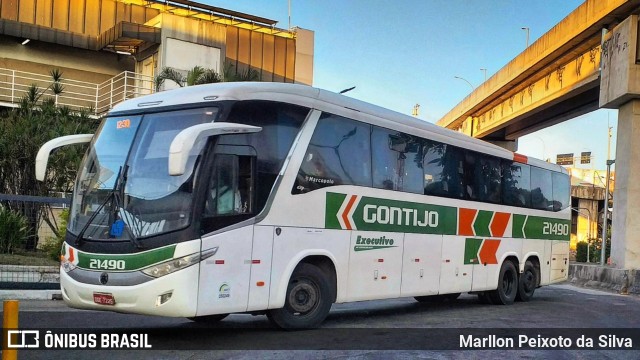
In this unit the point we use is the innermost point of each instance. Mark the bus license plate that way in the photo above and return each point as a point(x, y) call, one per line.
point(103, 299)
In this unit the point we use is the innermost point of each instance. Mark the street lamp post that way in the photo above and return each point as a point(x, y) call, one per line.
point(484, 71)
point(527, 30)
point(465, 80)
point(588, 229)
point(606, 211)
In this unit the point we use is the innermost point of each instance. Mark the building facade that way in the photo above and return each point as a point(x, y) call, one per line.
point(111, 50)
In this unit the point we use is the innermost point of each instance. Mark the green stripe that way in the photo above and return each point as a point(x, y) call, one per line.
point(131, 261)
point(375, 214)
point(547, 228)
point(471, 247)
point(481, 225)
point(518, 222)
point(334, 201)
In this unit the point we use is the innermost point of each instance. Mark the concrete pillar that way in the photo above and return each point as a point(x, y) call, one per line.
point(625, 242)
point(511, 145)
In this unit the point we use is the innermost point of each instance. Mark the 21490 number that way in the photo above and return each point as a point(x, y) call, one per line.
point(555, 228)
point(106, 264)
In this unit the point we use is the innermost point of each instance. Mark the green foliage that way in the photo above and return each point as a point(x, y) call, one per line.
point(581, 251)
point(54, 244)
point(209, 76)
point(22, 132)
point(168, 73)
point(199, 75)
point(595, 250)
point(13, 230)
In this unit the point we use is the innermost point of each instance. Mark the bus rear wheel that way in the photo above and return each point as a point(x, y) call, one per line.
point(528, 282)
point(307, 302)
point(507, 289)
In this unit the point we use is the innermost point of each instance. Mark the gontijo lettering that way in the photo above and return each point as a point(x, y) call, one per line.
point(400, 216)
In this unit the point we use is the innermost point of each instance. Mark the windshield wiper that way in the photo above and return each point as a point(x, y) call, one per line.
point(116, 195)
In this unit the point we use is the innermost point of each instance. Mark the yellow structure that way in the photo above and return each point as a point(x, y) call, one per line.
point(110, 50)
point(554, 79)
point(587, 201)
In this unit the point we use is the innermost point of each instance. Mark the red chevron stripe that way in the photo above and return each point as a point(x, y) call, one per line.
point(487, 253)
point(465, 221)
point(345, 216)
point(499, 224)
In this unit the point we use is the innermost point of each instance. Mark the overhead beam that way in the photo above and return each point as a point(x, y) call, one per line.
point(565, 49)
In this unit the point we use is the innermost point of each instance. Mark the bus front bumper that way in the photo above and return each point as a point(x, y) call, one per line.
point(172, 295)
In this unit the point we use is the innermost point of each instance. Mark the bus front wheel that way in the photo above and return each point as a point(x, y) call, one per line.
point(507, 289)
point(307, 302)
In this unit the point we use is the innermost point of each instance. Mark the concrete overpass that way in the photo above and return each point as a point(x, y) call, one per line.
point(553, 80)
point(587, 61)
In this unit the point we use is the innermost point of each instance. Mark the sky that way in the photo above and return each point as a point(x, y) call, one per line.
point(406, 52)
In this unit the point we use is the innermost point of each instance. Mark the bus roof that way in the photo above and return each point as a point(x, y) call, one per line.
point(318, 99)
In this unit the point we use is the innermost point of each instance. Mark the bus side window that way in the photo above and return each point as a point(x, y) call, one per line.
point(541, 189)
point(339, 153)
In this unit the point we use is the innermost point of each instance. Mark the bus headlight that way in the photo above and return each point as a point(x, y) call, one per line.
point(174, 265)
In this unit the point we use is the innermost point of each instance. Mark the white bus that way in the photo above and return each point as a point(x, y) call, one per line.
point(284, 199)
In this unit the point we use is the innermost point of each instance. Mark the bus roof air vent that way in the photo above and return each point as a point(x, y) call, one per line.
point(150, 103)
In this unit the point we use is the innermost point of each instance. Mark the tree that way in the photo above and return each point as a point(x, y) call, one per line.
point(22, 131)
point(199, 75)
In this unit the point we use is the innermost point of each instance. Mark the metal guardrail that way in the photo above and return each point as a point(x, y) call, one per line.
point(30, 276)
point(77, 95)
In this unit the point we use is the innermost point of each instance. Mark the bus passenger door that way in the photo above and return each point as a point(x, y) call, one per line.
point(229, 201)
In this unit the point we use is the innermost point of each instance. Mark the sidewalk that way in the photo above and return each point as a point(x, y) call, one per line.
point(21, 282)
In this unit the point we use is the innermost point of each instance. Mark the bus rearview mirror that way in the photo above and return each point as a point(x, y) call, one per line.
point(42, 158)
point(186, 139)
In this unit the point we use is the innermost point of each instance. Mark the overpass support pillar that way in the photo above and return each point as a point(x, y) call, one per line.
point(620, 89)
point(511, 145)
point(625, 232)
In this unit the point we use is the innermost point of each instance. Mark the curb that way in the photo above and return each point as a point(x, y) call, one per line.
point(30, 295)
point(607, 278)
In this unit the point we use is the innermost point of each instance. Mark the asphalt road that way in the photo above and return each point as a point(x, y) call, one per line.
point(396, 328)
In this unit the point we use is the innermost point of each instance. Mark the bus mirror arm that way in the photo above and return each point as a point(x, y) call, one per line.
point(42, 158)
point(186, 139)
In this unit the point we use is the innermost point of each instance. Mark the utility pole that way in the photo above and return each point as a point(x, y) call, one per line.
point(527, 30)
point(605, 221)
point(416, 109)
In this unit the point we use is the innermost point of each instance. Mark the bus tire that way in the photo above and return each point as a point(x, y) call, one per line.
point(208, 319)
point(507, 289)
point(528, 282)
point(307, 302)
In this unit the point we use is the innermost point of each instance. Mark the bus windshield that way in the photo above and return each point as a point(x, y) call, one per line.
point(124, 189)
